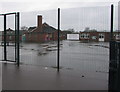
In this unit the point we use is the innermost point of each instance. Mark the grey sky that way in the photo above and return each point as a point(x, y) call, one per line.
point(76, 14)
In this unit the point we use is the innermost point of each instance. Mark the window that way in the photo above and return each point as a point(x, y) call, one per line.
point(101, 35)
point(85, 35)
point(94, 37)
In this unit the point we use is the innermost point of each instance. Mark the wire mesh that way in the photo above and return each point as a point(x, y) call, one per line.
point(89, 54)
point(39, 46)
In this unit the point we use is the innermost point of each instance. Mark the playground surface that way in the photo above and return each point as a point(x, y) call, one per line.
point(83, 66)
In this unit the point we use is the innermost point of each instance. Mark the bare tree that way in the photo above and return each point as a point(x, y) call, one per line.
point(24, 28)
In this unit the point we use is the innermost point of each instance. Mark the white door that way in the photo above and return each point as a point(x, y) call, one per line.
point(101, 37)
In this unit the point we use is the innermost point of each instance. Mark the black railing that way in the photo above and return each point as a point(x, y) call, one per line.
point(17, 53)
point(114, 66)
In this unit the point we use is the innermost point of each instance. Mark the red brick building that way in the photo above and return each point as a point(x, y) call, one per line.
point(98, 36)
point(10, 35)
point(41, 33)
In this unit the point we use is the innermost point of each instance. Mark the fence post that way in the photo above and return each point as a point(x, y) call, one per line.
point(113, 67)
point(118, 66)
point(15, 36)
point(112, 16)
point(5, 51)
point(112, 55)
point(58, 55)
point(18, 53)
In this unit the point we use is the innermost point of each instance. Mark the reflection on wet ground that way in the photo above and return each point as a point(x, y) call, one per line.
point(86, 60)
point(42, 49)
point(45, 78)
point(73, 55)
point(0, 76)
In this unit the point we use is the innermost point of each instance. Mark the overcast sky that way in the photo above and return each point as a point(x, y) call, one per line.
point(76, 14)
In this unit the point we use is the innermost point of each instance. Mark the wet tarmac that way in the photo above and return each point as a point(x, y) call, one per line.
point(84, 66)
point(42, 78)
point(73, 55)
point(0, 69)
point(0, 76)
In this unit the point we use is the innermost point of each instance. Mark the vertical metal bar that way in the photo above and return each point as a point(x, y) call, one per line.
point(58, 54)
point(113, 66)
point(15, 38)
point(5, 51)
point(112, 53)
point(112, 15)
point(112, 43)
point(18, 53)
point(119, 66)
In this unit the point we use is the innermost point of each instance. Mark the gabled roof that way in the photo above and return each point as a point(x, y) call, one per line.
point(47, 29)
point(31, 28)
point(9, 29)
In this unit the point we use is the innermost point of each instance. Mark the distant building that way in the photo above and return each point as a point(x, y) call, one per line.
point(41, 33)
point(74, 37)
point(98, 36)
point(10, 35)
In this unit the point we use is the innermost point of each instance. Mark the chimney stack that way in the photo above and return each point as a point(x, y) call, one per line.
point(39, 25)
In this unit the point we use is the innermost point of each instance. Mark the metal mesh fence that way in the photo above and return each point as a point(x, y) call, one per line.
point(39, 45)
point(8, 36)
point(84, 41)
point(89, 52)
